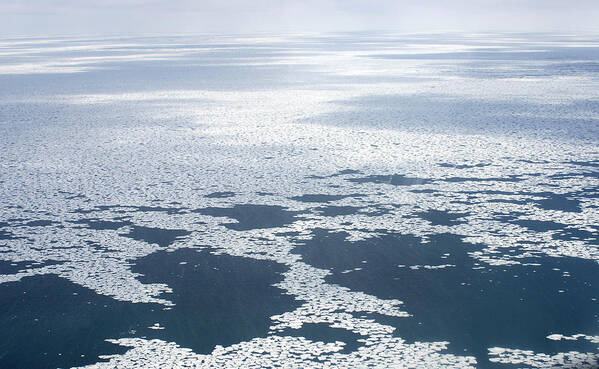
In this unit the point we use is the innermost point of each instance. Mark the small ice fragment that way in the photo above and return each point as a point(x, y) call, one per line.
point(156, 326)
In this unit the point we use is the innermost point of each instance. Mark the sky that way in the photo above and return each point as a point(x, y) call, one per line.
point(77, 17)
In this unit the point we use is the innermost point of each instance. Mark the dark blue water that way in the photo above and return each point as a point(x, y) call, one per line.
point(50, 322)
point(474, 309)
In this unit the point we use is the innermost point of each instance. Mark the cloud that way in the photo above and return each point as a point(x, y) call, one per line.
point(35, 17)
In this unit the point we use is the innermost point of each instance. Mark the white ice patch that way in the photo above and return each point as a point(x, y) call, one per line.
point(287, 352)
point(571, 359)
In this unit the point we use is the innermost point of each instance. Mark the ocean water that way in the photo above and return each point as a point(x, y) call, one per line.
point(300, 201)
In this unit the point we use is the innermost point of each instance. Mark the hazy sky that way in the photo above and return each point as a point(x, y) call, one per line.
point(55, 17)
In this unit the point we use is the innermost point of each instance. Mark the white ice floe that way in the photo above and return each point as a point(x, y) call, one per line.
point(288, 352)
